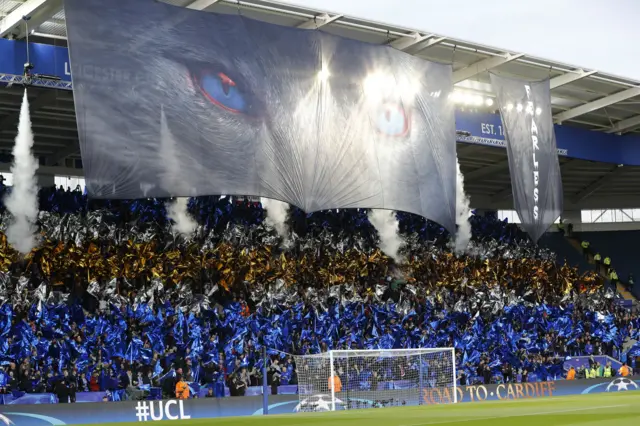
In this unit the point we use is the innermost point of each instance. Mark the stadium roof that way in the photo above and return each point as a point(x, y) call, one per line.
point(585, 98)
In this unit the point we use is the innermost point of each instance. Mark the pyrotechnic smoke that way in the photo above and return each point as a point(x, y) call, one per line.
point(386, 224)
point(22, 202)
point(462, 214)
point(276, 216)
point(177, 211)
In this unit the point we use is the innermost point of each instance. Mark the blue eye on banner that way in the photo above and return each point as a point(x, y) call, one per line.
point(391, 119)
point(222, 91)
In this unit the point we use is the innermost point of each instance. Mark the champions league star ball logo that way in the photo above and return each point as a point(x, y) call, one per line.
point(317, 403)
point(622, 384)
point(5, 421)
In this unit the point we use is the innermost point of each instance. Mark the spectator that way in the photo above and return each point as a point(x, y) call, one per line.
point(332, 290)
point(182, 388)
point(62, 392)
point(507, 373)
point(244, 378)
point(462, 378)
point(624, 371)
point(276, 374)
point(237, 385)
point(335, 383)
point(613, 277)
point(94, 386)
point(597, 259)
point(585, 249)
point(486, 374)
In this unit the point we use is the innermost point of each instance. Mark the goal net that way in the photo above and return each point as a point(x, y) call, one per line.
point(358, 379)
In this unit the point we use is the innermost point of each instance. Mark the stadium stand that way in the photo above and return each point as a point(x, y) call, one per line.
point(558, 244)
point(621, 247)
point(112, 302)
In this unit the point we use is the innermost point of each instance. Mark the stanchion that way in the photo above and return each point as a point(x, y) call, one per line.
point(265, 386)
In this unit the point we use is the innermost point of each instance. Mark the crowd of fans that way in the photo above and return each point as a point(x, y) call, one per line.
point(112, 299)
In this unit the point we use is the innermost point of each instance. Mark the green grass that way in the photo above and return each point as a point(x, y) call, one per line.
point(619, 409)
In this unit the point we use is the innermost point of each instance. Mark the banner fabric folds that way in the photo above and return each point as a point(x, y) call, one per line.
point(177, 102)
point(525, 108)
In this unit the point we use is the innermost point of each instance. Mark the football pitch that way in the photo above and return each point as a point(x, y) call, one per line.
point(605, 409)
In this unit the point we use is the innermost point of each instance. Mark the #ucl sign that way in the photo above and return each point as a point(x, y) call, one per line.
point(161, 410)
point(525, 108)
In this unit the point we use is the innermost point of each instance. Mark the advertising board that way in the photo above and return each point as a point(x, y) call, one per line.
point(150, 411)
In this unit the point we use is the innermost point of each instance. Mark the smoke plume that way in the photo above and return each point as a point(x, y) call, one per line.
point(462, 213)
point(22, 202)
point(171, 182)
point(386, 224)
point(183, 222)
point(276, 216)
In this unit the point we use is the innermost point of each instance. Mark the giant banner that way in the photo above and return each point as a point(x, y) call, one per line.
point(188, 103)
point(536, 182)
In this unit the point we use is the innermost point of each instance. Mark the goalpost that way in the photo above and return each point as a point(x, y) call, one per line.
point(353, 379)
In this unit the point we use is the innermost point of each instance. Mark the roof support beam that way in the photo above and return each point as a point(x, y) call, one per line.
point(506, 192)
point(597, 184)
point(627, 124)
point(41, 142)
point(404, 43)
point(201, 4)
point(38, 10)
point(568, 164)
point(596, 105)
point(319, 21)
point(570, 77)
point(426, 44)
point(62, 154)
point(45, 170)
point(484, 65)
point(487, 170)
point(44, 99)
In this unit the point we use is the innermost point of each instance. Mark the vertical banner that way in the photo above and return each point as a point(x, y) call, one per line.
point(525, 108)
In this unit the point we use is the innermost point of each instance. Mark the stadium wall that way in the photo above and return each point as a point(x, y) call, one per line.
point(144, 411)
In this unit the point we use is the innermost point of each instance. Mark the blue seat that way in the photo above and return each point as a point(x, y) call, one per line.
point(155, 394)
point(563, 249)
point(623, 249)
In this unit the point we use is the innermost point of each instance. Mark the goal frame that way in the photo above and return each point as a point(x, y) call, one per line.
point(333, 354)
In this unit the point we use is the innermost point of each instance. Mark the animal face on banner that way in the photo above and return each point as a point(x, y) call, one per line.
point(258, 109)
